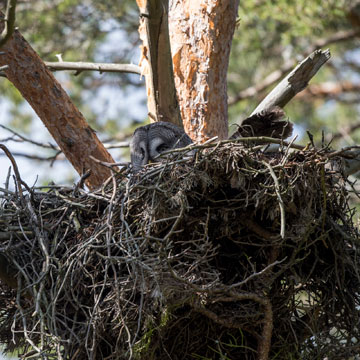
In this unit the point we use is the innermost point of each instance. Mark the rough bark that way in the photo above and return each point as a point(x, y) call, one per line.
point(156, 62)
point(64, 121)
point(200, 35)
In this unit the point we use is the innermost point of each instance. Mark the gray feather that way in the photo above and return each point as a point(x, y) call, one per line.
point(149, 141)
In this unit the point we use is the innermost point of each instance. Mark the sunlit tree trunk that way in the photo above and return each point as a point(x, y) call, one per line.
point(201, 32)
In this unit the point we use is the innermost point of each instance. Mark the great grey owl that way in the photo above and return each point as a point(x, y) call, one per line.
point(151, 140)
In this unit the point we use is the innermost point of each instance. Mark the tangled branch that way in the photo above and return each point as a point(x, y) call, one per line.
point(186, 258)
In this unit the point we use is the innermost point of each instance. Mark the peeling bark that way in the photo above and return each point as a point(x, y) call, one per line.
point(64, 121)
point(200, 35)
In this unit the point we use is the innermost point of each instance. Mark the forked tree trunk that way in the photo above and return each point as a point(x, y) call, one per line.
point(200, 36)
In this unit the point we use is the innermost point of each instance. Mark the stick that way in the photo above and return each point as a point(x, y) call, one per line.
point(89, 66)
point(281, 202)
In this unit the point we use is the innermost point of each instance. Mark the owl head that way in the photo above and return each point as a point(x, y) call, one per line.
point(151, 140)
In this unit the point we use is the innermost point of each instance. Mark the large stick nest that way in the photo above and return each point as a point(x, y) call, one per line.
point(232, 254)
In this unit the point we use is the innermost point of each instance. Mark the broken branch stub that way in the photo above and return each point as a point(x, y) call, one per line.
point(296, 81)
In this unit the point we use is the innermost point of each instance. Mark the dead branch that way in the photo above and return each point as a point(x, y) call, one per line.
point(295, 82)
point(7, 273)
point(168, 246)
point(64, 121)
point(23, 138)
point(109, 144)
point(281, 203)
point(57, 155)
point(9, 21)
point(89, 66)
point(34, 157)
point(276, 75)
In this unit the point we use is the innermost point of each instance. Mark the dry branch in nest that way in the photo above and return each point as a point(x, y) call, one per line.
point(233, 253)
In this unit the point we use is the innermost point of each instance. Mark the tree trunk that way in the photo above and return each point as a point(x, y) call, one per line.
point(200, 36)
point(64, 121)
point(156, 63)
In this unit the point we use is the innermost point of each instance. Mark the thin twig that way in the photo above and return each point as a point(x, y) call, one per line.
point(281, 203)
point(19, 182)
point(256, 274)
point(25, 139)
point(251, 139)
point(89, 66)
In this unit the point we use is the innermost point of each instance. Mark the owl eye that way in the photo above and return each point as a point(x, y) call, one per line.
point(142, 152)
point(162, 147)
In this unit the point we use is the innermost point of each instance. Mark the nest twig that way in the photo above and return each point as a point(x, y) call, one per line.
point(233, 253)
